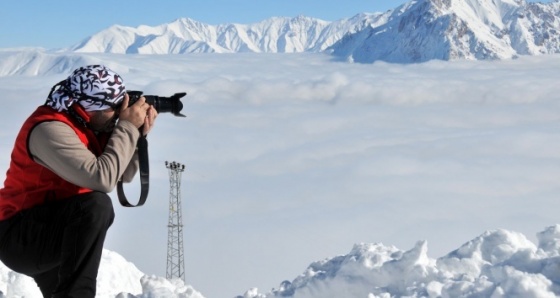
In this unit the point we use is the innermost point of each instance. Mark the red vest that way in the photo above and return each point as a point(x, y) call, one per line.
point(28, 183)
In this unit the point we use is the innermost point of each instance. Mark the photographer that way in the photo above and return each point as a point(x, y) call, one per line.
point(71, 152)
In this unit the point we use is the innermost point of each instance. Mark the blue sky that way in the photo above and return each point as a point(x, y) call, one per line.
point(41, 23)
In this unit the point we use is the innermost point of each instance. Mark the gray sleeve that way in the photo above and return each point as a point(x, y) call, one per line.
point(132, 168)
point(56, 146)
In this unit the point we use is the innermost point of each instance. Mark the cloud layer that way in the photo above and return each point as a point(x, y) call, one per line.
point(292, 158)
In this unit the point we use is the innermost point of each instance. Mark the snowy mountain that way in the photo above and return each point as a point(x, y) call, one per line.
point(423, 30)
point(417, 31)
point(276, 35)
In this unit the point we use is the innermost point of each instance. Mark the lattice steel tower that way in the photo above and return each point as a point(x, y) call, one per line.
point(175, 257)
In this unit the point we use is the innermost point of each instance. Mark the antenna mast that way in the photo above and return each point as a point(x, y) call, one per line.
point(175, 257)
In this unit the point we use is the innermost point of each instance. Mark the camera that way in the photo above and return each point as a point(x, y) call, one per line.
point(162, 104)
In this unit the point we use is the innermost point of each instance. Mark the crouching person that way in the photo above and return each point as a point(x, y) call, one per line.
point(71, 152)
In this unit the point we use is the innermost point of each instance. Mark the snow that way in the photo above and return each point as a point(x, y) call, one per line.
point(428, 180)
point(117, 278)
point(498, 263)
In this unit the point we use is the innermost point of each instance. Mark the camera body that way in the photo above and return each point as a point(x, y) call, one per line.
point(162, 104)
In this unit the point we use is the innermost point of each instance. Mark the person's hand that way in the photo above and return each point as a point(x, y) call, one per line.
point(151, 116)
point(137, 114)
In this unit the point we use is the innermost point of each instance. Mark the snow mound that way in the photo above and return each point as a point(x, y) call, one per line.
point(117, 278)
point(498, 263)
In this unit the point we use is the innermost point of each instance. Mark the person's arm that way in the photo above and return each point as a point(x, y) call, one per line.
point(56, 146)
point(132, 168)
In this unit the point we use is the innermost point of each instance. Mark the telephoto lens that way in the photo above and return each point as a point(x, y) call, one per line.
point(162, 104)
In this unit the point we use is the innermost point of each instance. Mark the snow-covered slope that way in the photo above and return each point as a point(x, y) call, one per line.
point(417, 31)
point(457, 29)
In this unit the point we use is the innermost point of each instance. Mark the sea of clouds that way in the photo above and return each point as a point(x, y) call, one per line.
point(296, 158)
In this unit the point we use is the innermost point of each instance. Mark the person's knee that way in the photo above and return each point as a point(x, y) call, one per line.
point(100, 207)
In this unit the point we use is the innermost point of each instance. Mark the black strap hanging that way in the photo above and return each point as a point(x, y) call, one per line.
point(144, 176)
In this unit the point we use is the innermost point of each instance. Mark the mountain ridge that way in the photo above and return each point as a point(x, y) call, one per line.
point(417, 31)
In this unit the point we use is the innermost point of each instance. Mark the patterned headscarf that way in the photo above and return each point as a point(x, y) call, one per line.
point(94, 87)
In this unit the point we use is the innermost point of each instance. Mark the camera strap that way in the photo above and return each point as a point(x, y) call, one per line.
point(144, 165)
